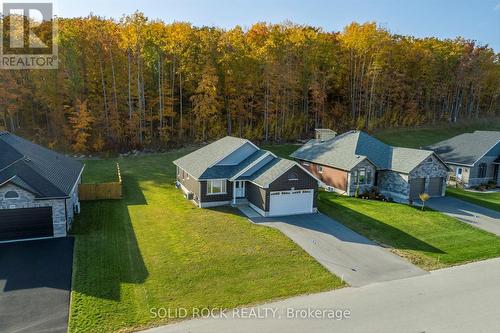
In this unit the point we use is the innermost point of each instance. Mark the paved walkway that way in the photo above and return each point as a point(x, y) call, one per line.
point(342, 251)
point(452, 300)
point(477, 216)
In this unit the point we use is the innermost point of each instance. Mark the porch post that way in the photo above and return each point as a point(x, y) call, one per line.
point(234, 192)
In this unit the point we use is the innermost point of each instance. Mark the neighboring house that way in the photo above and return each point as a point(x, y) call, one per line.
point(233, 170)
point(38, 190)
point(357, 162)
point(473, 157)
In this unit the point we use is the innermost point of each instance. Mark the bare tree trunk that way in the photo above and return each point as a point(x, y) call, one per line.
point(104, 94)
point(129, 87)
point(181, 129)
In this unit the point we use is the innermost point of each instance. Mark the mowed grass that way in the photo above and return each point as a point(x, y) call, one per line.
point(427, 238)
point(421, 137)
point(283, 150)
point(154, 249)
point(488, 200)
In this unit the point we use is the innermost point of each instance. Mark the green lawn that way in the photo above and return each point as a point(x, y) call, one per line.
point(488, 200)
point(154, 249)
point(420, 137)
point(427, 238)
point(282, 150)
point(99, 172)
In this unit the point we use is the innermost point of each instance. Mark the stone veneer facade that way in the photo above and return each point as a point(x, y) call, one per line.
point(62, 209)
point(396, 185)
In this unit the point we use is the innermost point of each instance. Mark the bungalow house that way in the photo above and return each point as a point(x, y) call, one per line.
point(233, 170)
point(357, 162)
point(38, 190)
point(474, 158)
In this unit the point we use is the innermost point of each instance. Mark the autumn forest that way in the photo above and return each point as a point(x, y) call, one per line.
point(138, 83)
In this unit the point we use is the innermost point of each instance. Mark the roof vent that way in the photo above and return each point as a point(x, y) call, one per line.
point(27, 159)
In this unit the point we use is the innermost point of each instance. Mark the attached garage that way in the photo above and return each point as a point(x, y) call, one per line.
point(24, 223)
point(291, 202)
point(435, 188)
point(417, 186)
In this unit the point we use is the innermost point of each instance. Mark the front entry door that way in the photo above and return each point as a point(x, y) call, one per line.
point(240, 189)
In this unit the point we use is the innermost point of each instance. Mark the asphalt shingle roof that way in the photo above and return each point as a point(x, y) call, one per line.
point(272, 170)
point(466, 148)
point(197, 162)
point(349, 149)
point(42, 171)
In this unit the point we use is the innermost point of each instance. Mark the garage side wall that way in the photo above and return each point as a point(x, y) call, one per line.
point(394, 185)
point(71, 202)
point(256, 195)
point(305, 181)
point(27, 200)
point(330, 176)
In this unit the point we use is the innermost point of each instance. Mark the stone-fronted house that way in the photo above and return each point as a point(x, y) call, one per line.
point(474, 158)
point(234, 171)
point(38, 190)
point(357, 162)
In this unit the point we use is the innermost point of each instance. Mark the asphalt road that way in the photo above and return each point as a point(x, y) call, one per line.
point(476, 216)
point(455, 300)
point(345, 253)
point(35, 285)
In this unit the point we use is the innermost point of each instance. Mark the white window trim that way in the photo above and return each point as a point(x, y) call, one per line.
point(319, 168)
point(223, 186)
point(359, 176)
point(306, 164)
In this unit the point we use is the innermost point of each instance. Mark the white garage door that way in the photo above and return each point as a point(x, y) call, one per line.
point(291, 202)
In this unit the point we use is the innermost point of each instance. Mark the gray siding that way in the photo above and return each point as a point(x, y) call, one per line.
point(191, 184)
point(256, 195)
point(474, 178)
point(351, 189)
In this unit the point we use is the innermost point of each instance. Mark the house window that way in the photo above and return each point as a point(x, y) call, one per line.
point(319, 168)
point(482, 170)
point(11, 195)
point(362, 176)
point(293, 176)
point(216, 186)
point(369, 178)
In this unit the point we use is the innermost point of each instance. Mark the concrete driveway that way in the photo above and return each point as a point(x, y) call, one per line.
point(342, 251)
point(452, 300)
point(35, 285)
point(469, 213)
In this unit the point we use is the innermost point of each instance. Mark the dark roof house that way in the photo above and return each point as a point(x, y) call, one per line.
point(474, 157)
point(357, 161)
point(38, 183)
point(234, 170)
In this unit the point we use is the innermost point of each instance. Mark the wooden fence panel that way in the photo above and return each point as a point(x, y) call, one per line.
point(102, 191)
